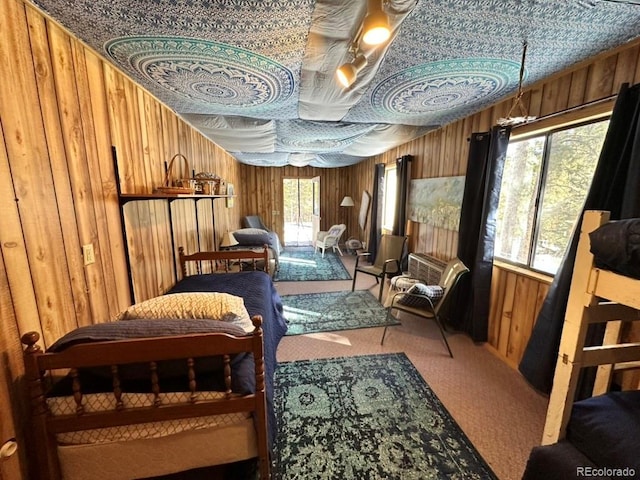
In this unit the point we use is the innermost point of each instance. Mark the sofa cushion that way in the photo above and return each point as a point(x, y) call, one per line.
point(559, 461)
point(253, 237)
point(616, 246)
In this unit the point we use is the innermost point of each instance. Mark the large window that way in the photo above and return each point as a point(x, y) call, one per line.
point(544, 185)
point(390, 188)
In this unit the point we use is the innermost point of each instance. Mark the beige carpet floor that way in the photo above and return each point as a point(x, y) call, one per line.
point(497, 409)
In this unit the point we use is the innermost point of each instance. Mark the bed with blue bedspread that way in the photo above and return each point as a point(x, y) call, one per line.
point(260, 298)
point(179, 382)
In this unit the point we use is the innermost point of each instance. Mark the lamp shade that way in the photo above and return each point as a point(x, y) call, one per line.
point(228, 240)
point(347, 202)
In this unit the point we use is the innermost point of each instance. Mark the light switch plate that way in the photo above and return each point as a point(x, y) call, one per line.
point(88, 254)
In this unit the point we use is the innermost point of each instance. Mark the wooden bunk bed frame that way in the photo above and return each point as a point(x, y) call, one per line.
point(596, 296)
point(42, 368)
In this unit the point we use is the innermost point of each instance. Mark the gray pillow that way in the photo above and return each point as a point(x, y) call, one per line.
point(253, 237)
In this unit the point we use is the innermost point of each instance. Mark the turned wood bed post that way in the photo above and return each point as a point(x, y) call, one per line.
point(46, 458)
point(264, 461)
point(183, 265)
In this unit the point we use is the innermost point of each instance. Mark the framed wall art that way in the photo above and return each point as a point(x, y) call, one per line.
point(436, 201)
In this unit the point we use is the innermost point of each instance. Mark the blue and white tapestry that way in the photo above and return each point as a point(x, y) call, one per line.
point(258, 76)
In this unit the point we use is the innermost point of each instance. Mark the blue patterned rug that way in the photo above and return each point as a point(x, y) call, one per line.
point(332, 311)
point(301, 264)
point(366, 417)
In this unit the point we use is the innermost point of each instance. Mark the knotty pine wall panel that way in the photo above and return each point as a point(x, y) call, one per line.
point(11, 426)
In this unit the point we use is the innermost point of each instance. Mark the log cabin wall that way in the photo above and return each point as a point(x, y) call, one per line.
point(516, 294)
point(62, 109)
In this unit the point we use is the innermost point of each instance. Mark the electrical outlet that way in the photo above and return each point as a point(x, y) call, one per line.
point(88, 254)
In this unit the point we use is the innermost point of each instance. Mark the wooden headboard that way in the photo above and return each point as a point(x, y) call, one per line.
point(224, 260)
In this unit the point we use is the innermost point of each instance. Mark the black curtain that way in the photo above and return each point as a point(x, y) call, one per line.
point(403, 177)
point(487, 151)
point(615, 187)
point(375, 227)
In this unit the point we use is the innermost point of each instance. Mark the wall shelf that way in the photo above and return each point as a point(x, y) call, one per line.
point(131, 197)
point(179, 221)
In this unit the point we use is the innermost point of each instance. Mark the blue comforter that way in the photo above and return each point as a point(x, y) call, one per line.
point(260, 298)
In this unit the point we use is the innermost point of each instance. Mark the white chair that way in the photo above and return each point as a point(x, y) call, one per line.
point(330, 238)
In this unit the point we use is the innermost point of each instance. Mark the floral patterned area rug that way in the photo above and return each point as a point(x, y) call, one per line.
point(333, 311)
point(302, 264)
point(366, 417)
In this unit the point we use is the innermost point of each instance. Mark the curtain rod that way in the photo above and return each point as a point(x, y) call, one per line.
point(562, 112)
point(571, 109)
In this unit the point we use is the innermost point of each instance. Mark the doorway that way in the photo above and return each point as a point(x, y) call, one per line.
point(300, 196)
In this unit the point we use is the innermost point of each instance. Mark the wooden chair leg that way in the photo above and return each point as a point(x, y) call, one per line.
point(353, 284)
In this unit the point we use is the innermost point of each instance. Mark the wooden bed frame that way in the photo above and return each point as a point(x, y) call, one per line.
point(41, 368)
point(596, 296)
point(224, 260)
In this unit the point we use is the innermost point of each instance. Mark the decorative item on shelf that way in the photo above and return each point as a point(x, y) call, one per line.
point(222, 187)
point(180, 185)
point(205, 183)
point(230, 194)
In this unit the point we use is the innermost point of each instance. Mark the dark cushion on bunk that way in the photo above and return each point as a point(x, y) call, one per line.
point(559, 461)
point(172, 373)
point(616, 246)
point(605, 428)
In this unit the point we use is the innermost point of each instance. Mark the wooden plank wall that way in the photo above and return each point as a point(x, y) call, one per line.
point(516, 297)
point(62, 108)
